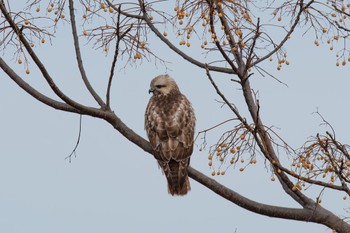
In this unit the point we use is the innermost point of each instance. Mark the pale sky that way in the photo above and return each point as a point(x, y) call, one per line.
point(114, 186)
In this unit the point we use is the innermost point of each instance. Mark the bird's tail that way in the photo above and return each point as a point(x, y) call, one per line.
point(179, 189)
point(178, 181)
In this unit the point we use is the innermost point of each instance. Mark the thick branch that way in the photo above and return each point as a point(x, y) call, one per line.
point(261, 137)
point(34, 93)
point(266, 147)
point(304, 214)
point(256, 207)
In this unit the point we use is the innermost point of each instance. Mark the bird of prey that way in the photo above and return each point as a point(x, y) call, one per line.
point(170, 124)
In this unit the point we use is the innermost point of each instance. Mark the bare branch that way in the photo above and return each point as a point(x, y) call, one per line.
point(34, 93)
point(233, 109)
point(213, 127)
point(232, 196)
point(79, 59)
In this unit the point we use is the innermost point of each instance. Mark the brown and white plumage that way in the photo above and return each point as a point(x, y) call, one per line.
point(170, 123)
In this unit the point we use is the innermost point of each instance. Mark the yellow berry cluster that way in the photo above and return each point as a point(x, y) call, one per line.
point(19, 61)
point(97, 7)
point(105, 8)
point(336, 18)
point(281, 59)
point(139, 47)
point(323, 159)
point(107, 33)
point(56, 9)
point(234, 149)
point(137, 56)
point(40, 34)
point(340, 56)
point(197, 12)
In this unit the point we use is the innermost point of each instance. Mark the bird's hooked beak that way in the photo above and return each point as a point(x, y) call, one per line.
point(151, 90)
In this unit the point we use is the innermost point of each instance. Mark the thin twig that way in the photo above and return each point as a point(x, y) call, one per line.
point(252, 47)
point(233, 109)
point(69, 157)
point(260, 70)
point(115, 58)
point(213, 127)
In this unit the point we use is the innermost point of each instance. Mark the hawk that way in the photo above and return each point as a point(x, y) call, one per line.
point(170, 123)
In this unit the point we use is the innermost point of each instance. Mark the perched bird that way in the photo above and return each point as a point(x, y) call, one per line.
point(170, 123)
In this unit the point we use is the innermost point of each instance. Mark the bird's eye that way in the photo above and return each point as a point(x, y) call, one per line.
point(160, 86)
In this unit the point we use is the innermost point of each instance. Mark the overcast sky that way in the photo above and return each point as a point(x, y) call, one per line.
point(114, 186)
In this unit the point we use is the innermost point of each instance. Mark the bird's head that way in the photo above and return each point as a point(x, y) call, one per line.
point(163, 85)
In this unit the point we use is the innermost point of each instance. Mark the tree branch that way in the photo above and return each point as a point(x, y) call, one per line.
point(217, 43)
point(256, 207)
point(175, 49)
point(79, 59)
point(311, 211)
point(291, 30)
point(115, 58)
point(233, 109)
point(69, 157)
point(34, 93)
point(267, 149)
